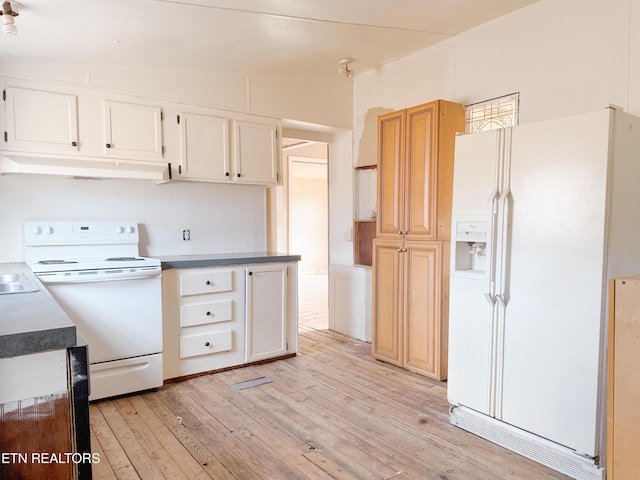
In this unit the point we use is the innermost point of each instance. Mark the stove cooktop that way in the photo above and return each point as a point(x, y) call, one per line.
point(57, 265)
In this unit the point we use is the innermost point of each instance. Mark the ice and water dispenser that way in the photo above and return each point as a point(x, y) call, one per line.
point(471, 242)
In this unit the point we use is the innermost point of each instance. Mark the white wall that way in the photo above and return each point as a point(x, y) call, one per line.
point(563, 56)
point(222, 218)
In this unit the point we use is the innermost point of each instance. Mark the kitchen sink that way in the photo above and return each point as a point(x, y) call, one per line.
point(15, 283)
point(11, 287)
point(8, 278)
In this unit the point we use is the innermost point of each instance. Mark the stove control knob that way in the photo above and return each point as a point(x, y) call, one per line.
point(129, 229)
point(119, 229)
point(48, 230)
point(36, 230)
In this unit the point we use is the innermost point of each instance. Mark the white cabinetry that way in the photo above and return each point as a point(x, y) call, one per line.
point(266, 334)
point(37, 120)
point(220, 147)
point(132, 130)
point(256, 151)
point(203, 316)
point(221, 317)
point(204, 147)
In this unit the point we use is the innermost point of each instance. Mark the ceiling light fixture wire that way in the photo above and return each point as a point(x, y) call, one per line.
point(343, 67)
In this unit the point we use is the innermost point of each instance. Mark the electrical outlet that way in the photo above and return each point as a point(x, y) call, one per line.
point(186, 235)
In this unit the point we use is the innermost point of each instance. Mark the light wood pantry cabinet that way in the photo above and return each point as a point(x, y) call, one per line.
point(413, 224)
point(415, 170)
point(408, 304)
point(623, 415)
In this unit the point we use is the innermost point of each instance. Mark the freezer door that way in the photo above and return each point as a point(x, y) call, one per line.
point(555, 286)
point(472, 309)
point(471, 343)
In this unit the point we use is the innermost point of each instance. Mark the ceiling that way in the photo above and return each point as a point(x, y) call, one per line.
point(294, 37)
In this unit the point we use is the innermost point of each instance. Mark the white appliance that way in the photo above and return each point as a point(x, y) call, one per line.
point(92, 269)
point(543, 215)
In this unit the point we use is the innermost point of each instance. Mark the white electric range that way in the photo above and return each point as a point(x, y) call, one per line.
point(113, 296)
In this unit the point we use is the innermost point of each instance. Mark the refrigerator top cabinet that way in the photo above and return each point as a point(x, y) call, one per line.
point(543, 214)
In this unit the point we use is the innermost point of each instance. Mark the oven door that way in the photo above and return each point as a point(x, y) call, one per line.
point(119, 313)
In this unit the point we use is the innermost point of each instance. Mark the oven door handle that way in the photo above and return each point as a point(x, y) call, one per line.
point(93, 276)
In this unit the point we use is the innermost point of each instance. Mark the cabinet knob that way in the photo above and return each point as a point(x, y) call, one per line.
point(208, 282)
point(238, 174)
point(208, 314)
point(108, 145)
point(399, 232)
point(250, 273)
point(74, 144)
point(227, 174)
point(399, 249)
point(207, 344)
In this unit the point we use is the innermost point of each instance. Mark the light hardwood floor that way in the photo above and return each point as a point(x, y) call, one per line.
point(331, 412)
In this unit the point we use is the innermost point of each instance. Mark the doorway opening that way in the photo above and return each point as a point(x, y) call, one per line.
point(302, 225)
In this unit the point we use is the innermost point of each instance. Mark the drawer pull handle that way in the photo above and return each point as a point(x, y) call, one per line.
point(207, 344)
point(208, 282)
point(208, 314)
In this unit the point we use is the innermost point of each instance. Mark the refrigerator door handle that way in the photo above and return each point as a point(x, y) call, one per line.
point(493, 199)
point(491, 298)
point(505, 200)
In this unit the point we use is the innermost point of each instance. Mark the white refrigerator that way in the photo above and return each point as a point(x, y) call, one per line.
point(543, 215)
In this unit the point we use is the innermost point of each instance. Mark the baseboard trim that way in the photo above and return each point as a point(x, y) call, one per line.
point(539, 449)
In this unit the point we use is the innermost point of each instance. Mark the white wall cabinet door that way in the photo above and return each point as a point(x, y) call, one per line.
point(266, 329)
point(39, 120)
point(256, 152)
point(204, 147)
point(132, 130)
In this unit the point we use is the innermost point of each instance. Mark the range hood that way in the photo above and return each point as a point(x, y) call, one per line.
point(83, 167)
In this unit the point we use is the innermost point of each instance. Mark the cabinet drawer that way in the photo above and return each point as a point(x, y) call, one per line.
point(206, 282)
point(201, 313)
point(206, 343)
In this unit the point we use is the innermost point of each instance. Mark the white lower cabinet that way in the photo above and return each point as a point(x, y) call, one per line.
point(203, 316)
point(266, 334)
point(220, 317)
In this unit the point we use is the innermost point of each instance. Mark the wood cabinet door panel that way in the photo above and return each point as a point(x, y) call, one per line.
point(423, 285)
point(420, 172)
point(391, 146)
point(387, 301)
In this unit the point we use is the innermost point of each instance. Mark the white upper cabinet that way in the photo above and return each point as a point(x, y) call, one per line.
point(256, 151)
point(204, 147)
point(209, 151)
point(37, 120)
point(132, 130)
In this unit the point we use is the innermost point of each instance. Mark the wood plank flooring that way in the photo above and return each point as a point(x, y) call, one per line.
point(332, 412)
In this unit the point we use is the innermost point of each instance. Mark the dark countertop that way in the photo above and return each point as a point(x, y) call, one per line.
point(222, 259)
point(32, 322)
